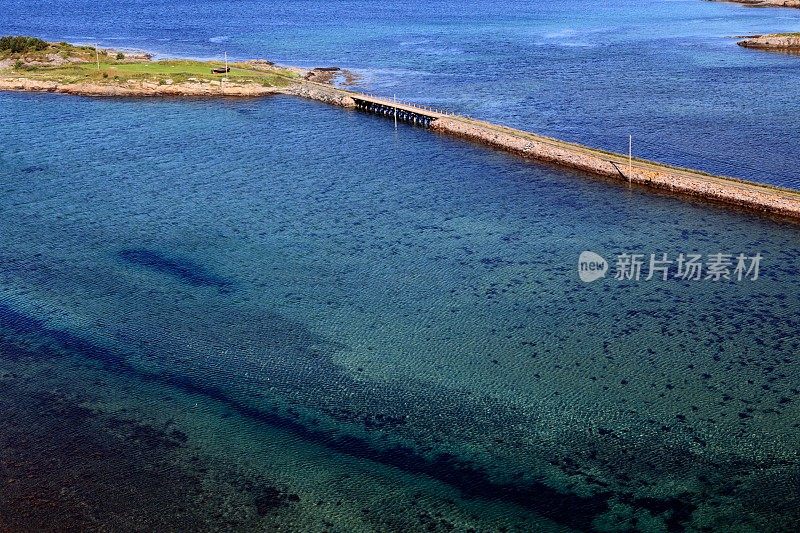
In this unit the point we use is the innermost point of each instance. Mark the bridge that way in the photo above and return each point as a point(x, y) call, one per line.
point(399, 111)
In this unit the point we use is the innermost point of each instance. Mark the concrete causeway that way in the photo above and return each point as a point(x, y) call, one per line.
point(683, 181)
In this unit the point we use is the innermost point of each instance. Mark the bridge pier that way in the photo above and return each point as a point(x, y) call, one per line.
point(409, 116)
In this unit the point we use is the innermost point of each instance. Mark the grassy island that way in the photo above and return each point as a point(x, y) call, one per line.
point(64, 63)
point(161, 72)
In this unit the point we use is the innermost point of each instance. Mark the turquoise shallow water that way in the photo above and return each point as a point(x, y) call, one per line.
point(303, 311)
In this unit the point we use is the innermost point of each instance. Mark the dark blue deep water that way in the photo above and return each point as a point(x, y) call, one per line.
point(252, 314)
point(666, 71)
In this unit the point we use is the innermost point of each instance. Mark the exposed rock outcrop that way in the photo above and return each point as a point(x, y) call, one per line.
point(332, 76)
point(785, 42)
point(764, 3)
point(322, 93)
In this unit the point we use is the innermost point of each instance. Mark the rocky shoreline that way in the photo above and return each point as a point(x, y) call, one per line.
point(138, 88)
point(764, 3)
point(780, 42)
point(310, 90)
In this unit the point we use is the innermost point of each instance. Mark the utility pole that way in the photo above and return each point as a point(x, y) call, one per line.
point(395, 111)
point(224, 76)
point(97, 54)
point(630, 157)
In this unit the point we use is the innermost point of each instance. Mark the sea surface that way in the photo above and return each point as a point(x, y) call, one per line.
point(271, 313)
point(667, 72)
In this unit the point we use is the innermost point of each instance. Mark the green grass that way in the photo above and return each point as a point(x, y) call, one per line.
point(21, 52)
point(155, 71)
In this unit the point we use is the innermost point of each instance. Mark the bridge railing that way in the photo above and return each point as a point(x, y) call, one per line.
point(393, 101)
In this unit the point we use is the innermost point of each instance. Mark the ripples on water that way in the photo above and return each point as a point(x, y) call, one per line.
point(667, 72)
point(286, 313)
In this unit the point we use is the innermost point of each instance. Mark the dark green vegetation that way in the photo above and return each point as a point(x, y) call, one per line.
point(19, 44)
point(32, 49)
point(108, 470)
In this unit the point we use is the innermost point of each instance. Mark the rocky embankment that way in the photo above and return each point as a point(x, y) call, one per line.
point(782, 42)
point(682, 181)
point(319, 92)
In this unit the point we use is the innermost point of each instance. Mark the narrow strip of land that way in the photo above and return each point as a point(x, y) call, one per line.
point(65, 68)
point(751, 195)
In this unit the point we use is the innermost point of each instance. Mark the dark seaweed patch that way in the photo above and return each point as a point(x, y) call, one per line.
point(68, 467)
point(187, 271)
point(569, 509)
point(269, 499)
point(368, 420)
point(146, 435)
point(678, 510)
point(65, 468)
point(33, 168)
